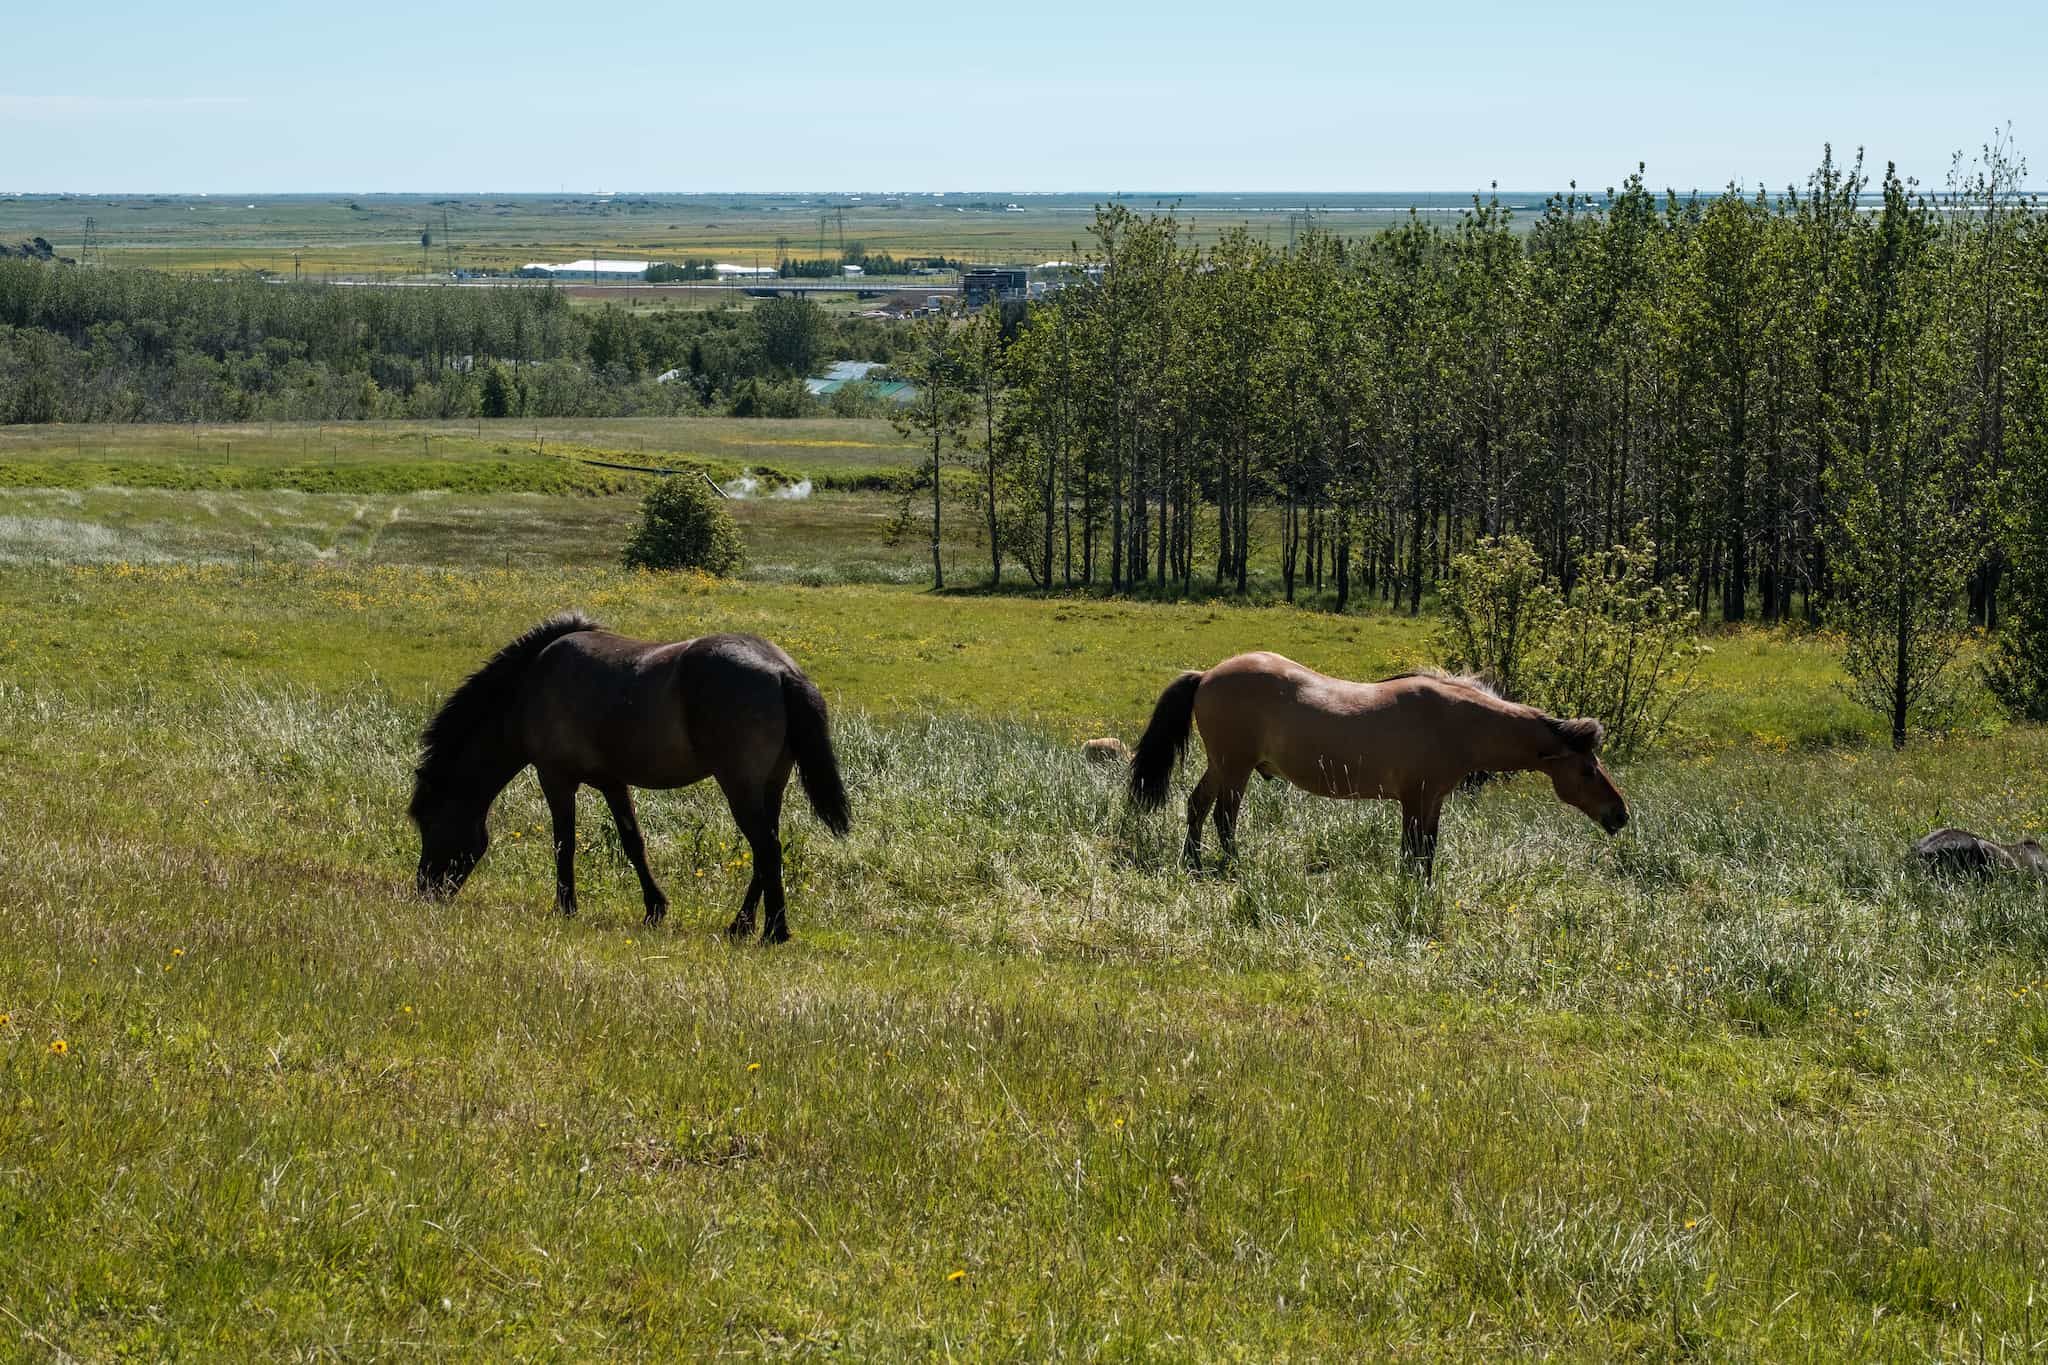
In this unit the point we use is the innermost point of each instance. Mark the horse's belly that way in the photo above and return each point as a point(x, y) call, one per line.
point(639, 751)
point(1344, 777)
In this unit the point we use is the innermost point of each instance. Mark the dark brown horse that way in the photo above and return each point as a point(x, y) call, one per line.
point(584, 706)
point(1413, 739)
point(1956, 851)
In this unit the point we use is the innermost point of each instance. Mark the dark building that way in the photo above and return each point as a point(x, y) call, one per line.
point(983, 283)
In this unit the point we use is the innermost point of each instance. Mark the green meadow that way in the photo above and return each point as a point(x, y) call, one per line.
point(1739, 1084)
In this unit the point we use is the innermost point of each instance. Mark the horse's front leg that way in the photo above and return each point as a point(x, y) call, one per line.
point(561, 797)
point(620, 798)
point(1420, 817)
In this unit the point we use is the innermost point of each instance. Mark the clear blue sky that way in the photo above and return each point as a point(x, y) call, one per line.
point(227, 95)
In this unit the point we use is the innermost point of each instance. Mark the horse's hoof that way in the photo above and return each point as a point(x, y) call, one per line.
point(739, 929)
point(775, 934)
point(655, 915)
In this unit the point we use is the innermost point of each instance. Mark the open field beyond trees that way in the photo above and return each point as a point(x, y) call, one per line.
point(316, 235)
point(1738, 1083)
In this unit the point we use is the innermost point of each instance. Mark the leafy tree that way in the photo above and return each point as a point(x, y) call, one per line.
point(500, 394)
point(939, 414)
point(791, 333)
point(981, 352)
point(1906, 545)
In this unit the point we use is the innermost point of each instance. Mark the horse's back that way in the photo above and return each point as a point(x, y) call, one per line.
point(1327, 735)
point(1265, 712)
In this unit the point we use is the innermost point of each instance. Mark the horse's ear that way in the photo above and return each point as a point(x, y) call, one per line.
point(1583, 734)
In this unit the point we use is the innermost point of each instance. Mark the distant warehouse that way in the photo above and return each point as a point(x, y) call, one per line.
point(983, 284)
point(595, 272)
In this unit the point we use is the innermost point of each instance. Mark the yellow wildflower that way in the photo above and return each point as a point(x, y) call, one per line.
point(58, 1047)
point(956, 1277)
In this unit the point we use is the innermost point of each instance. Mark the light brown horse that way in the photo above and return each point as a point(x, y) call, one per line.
point(585, 706)
point(1413, 739)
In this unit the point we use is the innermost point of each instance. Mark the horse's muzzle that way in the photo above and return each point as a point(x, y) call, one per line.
point(1613, 820)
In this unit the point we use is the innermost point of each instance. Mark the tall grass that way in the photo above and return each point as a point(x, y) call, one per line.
point(1740, 1082)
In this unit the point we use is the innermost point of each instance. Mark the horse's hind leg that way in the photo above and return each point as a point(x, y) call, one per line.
point(1229, 797)
point(743, 920)
point(620, 798)
point(768, 857)
point(561, 798)
point(759, 816)
point(1199, 802)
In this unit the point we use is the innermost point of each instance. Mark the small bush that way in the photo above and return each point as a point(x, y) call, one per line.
point(1622, 647)
point(683, 526)
point(1497, 608)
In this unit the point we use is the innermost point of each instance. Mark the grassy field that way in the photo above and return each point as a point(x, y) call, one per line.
point(83, 455)
point(316, 235)
point(1738, 1084)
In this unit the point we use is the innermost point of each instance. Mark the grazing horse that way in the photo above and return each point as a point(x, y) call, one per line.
point(1954, 851)
point(1413, 739)
point(582, 705)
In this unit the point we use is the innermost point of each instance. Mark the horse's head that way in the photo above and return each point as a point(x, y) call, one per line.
point(1580, 778)
point(453, 838)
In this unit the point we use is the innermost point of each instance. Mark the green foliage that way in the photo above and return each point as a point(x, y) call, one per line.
point(1622, 646)
point(692, 268)
point(501, 397)
point(122, 345)
point(936, 364)
point(782, 398)
point(683, 525)
point(1625, 648)
point(2017, 669)
point(1498, 615)
point(792, 333)
point(1907, 539)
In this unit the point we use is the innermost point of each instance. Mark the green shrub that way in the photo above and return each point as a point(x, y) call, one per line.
point(684, 526)
point(1621, 646)
point(1497, 607)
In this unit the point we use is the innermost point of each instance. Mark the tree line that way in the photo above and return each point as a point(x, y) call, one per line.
point(1826, 405)
point(121, 345)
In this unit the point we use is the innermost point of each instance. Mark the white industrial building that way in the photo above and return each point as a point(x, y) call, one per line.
point(600, 272)
point(744, 272)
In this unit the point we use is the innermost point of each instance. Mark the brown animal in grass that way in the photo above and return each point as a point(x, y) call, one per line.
point(1954, 850)
point(584, 706)
point(1105, 751)
point(1414, 739)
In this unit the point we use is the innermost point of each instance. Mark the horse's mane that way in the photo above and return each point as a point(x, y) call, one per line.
point(1470, 680)
point(483, 694)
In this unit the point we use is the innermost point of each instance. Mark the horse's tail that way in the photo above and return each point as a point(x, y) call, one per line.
point(1164, 741)
point(810, 739)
